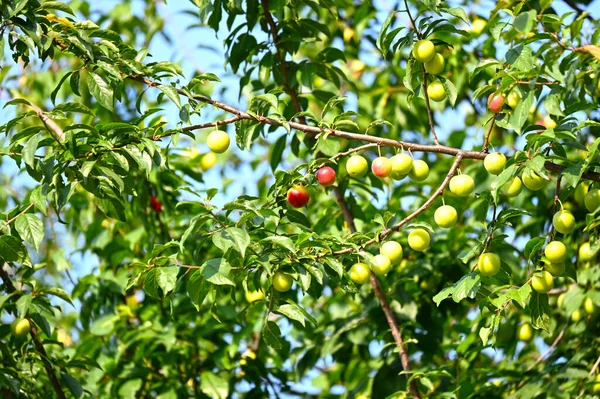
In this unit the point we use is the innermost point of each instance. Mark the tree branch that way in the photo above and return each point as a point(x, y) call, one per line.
point(428, 106)
point(486, 139)
point(550, 349)
point(595, 366)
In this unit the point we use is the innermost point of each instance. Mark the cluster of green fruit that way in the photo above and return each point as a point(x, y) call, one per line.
point(218, 142)
point(424, 51)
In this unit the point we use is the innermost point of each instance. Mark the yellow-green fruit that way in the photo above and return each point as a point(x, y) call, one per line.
point(533, 181)
point(393, 250)
point(549, 122)
point(402, 164)
point(208, 161)
point(563, 221)
point(20, 328)
point(592, 200)
point(381, 265)
point(561, 300)
point(436, 65)
point(556, 252)
point(282, 282)
point(555, 269)
point(494, 163)
point(478, 26)
point(576, 315)
point(513, 187)
point(462, 185)
point(253, 296)
point(596, 385)
point(445, 216)
point(436, 91)
point(585, 252)
point(419, 171)
point(514, 98)
point(419, 239)
point(580, 192)
point(424, 51)
point(218, 141)
point(542, 282)
point(589, 306)
point(488, 264)
point(525, 332)
point(359, 273)
point(357, 166)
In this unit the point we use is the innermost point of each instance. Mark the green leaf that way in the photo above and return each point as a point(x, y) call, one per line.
point(172, 93)
point(335, 265)
point(450, 90)
point(443, 294)
point(383, 32)
point(197, 288)
point(525, 22)
point(166, 278)
point(57, 5)
point(130, 388)
point(23, 304)
point(333, 101)
point(458, 12)
point(217, 271)
point(213, 385)
point(484, 334)
point(521, 58)
point(467, 286)
point(101, 91)
point(281, 241)
point(540, 311)
point(11, 249)
point(104, 325)
point(29, 150)
point(271, 334)
point(31, 229)
point(521, 113)
point(277, 151)
point(520, 295)
point(58, 86)
point(73, 385)
point(291, 311)
point(232, 237)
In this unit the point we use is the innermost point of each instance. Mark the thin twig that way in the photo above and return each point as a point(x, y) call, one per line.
point(486, 139)
point(556, 200)
point(207, 125)
point(19, 214)
point(550, 349)
point(595, 366)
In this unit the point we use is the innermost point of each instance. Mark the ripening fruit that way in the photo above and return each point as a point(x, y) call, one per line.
point(549, 122)
point(419, 171)
point(348, 33)
point(542, 282)
point(326, 176)
point(496, 102)
point(253, 296)
point(436, 65)
point(533, 181)
point(514, 98)
point(357, 166)
point(393, 250)
point(218, 141)
point(478, 26)
point(561, 300)
point(462, 185)
point(208, 160)
point(359, 273)
point(592, 200)
point(436, 91)
point(423, 51)
point(589, 306)
point(282, 282)
point(555, 269)
point(402, 164)
point(494, 163)
point(445, 216)
point(381, 265)
point(419, 239)
point(20, 328)
point(525, 332)
point(155, 204)
point(513, 188)
point(585, 252)
point(576, 315)
point(556, 251)
point(381, 167)
point(563, 221)
point(298, 196)
point(488, 264)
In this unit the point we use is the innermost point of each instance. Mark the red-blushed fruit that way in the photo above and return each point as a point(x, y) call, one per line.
point(496, 102)
point(298, 196)
point(155, 204)
point(326, 176)
point(381, 167)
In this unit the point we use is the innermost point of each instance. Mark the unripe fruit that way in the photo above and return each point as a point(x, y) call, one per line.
point(576, 316)
point(381, 265)
point(253, 296)
point(155, 204)
point(436, 91)
point(585, 252)
point(563, 221)
point(596, 385)
point(436, 65)
point(359, 273)
point(462, 185)
point(393, 250)
point(298, 196)
point(488, 264)
point(525, 333)
point(478, 26)
point(356, 166)
point(402, 164)
point(561, 300)
point(208, 160)
point(542, 282)
point(549, 122)
point(533, 181)
point(592, 200)
point(514, 98)
point(326, 176)
point(496, 102)
point(494, 163)
point(445, 216)
point(589, 306)
point(381, 167)
point(555, 269)
point(348, 34)
point(556, 251)
point(419, 171)
point(218, 141)
point(580, 193)
point(513, 187)
point(423, 51)
point(419, 239)
point(20, 328)
point(282, 282)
